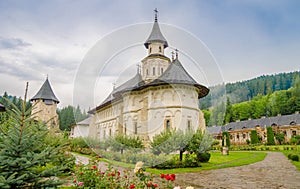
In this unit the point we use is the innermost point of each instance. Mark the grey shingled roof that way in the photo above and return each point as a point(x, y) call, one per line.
point(156, 36)
point(280, 120)
point(45, 93)
point(129, 85)
point(176, 74)
point(2, 108)
point(85, 121)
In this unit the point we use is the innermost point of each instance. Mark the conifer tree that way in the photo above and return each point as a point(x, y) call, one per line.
point(25, 159)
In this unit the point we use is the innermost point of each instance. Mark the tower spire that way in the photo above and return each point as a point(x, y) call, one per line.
point(155, 13)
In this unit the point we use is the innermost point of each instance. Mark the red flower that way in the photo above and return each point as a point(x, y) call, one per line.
point(132, 186)
point(81, 173)
point(125, 176)
point(162, 176)
point(94, 167)
point(74, 180)
point(119, 173)
point(168, 177)
point(149, 184)
point(113, 174)
point(155, 185)
point(173, 176)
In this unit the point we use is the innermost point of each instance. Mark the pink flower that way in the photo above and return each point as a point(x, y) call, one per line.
point(80, 183)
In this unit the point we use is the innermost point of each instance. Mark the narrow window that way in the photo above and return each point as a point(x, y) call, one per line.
point(150, 49)
point(244, 136)
point(161, 70)
point(135, 128)
point(294, 133)
point(168, 125)
point(147, 71)
point(159, 48)
point(104, 134)
point(153, 70)
point(189, 124)
point(109, 132)
point(125, 129)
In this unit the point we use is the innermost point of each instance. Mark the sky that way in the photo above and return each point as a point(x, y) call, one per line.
point(246, 39)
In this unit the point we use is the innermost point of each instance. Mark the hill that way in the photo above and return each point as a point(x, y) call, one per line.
point(262, 96)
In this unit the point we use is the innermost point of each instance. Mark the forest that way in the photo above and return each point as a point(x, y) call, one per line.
point(263, 96)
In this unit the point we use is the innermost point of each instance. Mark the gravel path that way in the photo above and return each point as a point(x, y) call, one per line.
point(275, 171)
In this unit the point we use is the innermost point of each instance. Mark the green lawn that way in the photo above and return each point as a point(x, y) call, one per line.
point(296, 163)
point(217, 161)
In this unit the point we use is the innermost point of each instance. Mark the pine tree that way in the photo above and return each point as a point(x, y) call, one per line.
point(25, 159)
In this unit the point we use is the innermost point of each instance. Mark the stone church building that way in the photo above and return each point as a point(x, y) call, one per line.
point(161, 96)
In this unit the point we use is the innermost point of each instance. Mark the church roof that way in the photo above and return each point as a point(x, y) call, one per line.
point(176, 74)
point(129, 85)
point(2, 108)
point(45, 93)
point(156, 36)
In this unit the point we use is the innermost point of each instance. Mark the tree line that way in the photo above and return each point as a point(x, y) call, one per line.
point(246, 90)
point(282, 102)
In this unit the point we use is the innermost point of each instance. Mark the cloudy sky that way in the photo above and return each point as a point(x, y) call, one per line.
point(246, 38)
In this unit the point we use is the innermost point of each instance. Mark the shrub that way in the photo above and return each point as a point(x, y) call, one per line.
point(293, 157)
point(227, 139)
point(203, 157)
point(254, 137)
point(270, 136)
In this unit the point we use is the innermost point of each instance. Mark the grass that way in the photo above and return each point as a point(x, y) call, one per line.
point(217, 161)
point(296, 163)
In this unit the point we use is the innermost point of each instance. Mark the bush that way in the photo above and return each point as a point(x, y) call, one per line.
point(270, 136)
point(203, 157)
point(254, 137)
point(293, 157)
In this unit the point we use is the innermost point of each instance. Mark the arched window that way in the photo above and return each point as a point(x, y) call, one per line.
point(147, 72)
point(159, 48)
point(168, 124)
point(161, 70)
point(109, 132)
point(153, 70)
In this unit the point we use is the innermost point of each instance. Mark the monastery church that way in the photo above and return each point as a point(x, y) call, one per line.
point(161, 96)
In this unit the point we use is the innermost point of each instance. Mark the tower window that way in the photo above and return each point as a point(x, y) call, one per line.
point(147, 72)
point(109, 132)
point(159, 48)
point(189, 125)
point(125, 129)
point(104, 134)
point(161, 70)
point(135, 128)
point(153, 71)
point(150, 49)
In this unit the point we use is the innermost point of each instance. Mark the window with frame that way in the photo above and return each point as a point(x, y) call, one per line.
point(153, 71)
